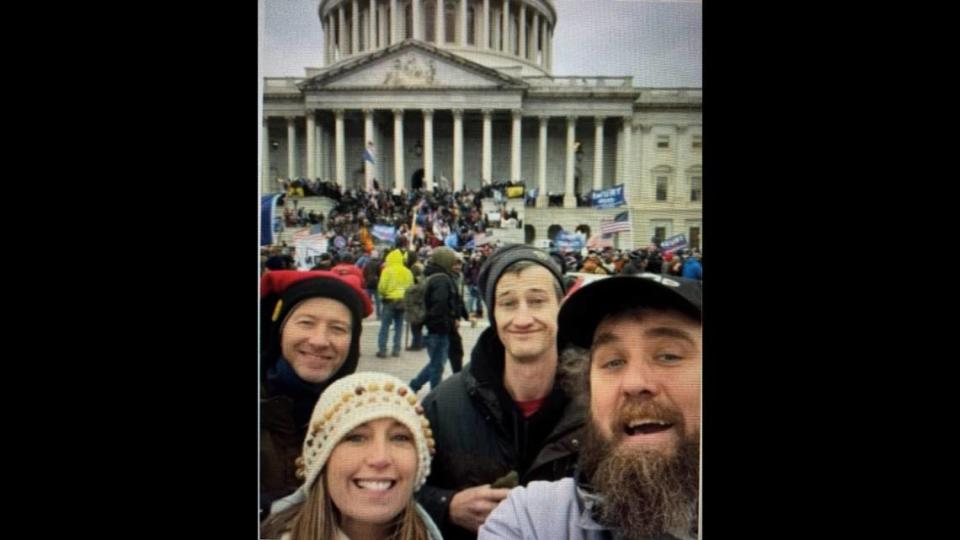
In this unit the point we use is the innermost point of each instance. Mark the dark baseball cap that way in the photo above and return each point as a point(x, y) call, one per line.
point(584, 307)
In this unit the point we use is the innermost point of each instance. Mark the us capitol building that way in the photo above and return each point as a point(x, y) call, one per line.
point(463, 96)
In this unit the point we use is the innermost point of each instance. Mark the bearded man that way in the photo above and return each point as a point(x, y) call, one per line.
point(639, 342)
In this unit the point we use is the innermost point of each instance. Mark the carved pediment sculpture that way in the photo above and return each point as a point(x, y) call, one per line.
point(409, 70)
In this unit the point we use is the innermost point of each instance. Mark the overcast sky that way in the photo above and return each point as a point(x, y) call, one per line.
point(658, 42)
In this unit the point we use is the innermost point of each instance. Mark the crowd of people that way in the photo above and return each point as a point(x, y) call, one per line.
point(577, 415)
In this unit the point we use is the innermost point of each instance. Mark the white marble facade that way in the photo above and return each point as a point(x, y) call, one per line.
point(407, 90)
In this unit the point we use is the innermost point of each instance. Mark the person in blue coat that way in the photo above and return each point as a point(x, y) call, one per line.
point(692, 268)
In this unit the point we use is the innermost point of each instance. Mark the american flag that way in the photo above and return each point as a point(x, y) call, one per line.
point(620, 223)
point(309, 235)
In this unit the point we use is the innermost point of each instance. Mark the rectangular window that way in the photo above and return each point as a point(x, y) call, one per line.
point(694, 238)
point(697, 143)
point(661, 188)
point(696, 188)
point(663, 141)
point(660, 233)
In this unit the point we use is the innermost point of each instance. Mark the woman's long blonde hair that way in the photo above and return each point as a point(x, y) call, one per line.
point(317, 519)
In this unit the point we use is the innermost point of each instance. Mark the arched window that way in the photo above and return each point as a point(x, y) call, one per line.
point(450, 22)
point(430, 16)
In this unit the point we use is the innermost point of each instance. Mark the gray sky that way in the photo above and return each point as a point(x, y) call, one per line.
point(657, 41)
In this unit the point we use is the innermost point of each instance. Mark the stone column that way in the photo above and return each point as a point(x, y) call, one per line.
point(397, 148)
point(439, 24)
point(598, 153)
point(417, 19)
point(266, 182)
point(680, 172)
point(428, 149)
point(505, 27)
point(535, 42)
point(368, 27)
point(368, 172)
point(384, 31)
point(495, 29)
point(522, 31)
point(355, 27)
point(487, 158)
point(394, 27)
point(339, 149)
point(457, 149)
point(485, 34)
point(515, 146)
point(628, 159)
point(569, 196)
point(323, 152)
point(372, 19)
point(542, 198)
point(342, 27)
point(311, 144)
point(291, 149)
point(461, 33)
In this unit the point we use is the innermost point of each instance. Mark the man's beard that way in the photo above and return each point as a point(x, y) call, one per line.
point(645, 492)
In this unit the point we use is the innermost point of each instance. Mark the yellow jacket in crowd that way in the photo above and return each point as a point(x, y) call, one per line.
point(395, 277)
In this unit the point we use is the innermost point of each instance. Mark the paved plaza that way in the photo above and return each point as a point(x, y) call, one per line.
point(410, 362)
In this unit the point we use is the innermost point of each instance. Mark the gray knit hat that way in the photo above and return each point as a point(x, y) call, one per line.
point(499, 260)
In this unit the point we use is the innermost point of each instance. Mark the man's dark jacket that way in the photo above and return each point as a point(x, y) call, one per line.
point(481, 434)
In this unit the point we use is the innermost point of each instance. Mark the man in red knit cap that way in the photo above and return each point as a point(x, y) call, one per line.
point(309, 337)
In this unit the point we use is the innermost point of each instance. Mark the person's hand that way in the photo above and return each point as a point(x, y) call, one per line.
point(469, 508)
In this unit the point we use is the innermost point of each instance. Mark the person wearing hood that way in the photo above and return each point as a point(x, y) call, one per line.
point(506, 418)
point(394, 281)
point(444, 308)
point(310, 337)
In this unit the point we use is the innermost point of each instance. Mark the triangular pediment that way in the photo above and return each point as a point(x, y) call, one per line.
point(411, 64)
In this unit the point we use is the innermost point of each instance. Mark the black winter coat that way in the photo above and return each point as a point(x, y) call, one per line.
point(482, 435)
point(442, 301)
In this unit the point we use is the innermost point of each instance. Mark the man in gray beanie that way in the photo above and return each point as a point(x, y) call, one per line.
point(505, 419)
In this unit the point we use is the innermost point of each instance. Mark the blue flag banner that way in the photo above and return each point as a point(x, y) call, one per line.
point(385, 233)
point(267, 205)
point(607, 198)
point(675, 242)
point(368, 154)
point(569, 241)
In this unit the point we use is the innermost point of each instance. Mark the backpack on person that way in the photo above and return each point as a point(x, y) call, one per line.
point(414, 301)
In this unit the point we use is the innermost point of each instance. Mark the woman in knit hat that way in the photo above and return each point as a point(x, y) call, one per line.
point(368, 450)
point(310, 337)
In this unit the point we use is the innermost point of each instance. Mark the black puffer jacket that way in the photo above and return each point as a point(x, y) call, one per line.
point(482, 435)
point(442, 301)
